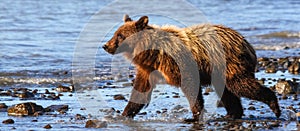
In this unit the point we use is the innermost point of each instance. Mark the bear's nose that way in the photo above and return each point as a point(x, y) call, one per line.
point(105, 47)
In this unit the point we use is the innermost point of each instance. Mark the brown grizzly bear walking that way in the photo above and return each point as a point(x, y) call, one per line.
point(170, 50)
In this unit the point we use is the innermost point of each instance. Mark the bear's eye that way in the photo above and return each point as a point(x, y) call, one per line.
point(120, 36)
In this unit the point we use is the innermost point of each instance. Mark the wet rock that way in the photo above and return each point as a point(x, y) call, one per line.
point(48, 126)
point(295, 97)
point(127, 84)
point(108, 83)
point(6, 93)
point(3, 107)
point(142, 113)
point(24, 109)
point(95, 124)
point(25, 95)
point(176, 96)
point(291, 108)
point(274, 124)
point(53, 97)
point(285, 87)
point(130, 76)
point(294, 68)
point(47, 91)
point(61, 88)
point(262, 59)
point(284, 97)
point(79, 117)
point(119, 97)
point(158, 112)
point(271, 69)
point(34, 120)
point(298, 117)
point(251, 116)
point(208, 89)
point(35, 91)
point(251, 108)
point(38, 113)
point(57, 108)
point(8, 121)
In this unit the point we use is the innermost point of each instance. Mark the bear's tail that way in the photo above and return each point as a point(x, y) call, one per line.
point(243, 86)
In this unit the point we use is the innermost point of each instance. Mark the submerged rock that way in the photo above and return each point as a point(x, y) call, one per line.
point(57, 108)
point(8, 121)
point(119, 97)
point(3, 107)
point(95, 124)
point(24, 109)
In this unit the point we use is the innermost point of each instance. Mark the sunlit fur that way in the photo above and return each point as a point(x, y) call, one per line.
point(209, 45)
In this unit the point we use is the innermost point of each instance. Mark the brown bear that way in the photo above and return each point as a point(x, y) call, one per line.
point(170, 50)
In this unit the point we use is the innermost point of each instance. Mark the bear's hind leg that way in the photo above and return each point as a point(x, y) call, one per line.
point(243, 86)
point(232, 104)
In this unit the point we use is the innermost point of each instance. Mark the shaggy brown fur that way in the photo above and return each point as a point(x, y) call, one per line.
point(154, 48)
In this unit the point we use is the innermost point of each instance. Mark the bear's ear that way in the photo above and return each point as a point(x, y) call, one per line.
point(142, 23)
point(126, 18)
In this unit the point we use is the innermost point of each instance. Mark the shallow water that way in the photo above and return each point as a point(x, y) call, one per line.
point(38, 41)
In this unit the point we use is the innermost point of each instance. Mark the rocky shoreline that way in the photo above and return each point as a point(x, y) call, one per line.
point(287, 90)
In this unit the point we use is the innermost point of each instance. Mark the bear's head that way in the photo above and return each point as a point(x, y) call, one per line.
point(129, 28)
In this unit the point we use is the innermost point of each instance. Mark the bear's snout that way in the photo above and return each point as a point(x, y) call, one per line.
point(105, 47)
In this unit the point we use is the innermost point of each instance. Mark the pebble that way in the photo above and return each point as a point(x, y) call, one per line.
point(176, 96)
point(48, 126)
point(47, 91)
point(274, 124)
point(119, 97)
point(61, 88)
point(3, 105)
point(95, 124)
point(284, 97)
point(271, 69)
point(79, 117)
point(295, 97)
point(8, 121)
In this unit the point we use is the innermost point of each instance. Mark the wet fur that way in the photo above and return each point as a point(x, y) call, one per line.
point(200, 40)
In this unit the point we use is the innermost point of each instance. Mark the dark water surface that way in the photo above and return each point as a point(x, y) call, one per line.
point(38, 39)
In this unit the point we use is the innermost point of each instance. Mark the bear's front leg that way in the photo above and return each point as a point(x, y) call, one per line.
point(195, 98)
point(140, 95)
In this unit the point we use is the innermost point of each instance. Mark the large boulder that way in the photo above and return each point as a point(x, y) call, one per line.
point(286, 87)
point(24, 109)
